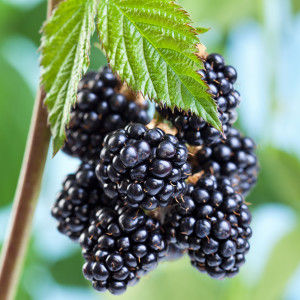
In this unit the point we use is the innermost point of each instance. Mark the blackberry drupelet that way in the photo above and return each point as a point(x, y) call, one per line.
point(101, 108)
point(144, 167)
point(233, 157)
point(81, 194)
point(119, 247)
point(212, 221)
point(220, 79)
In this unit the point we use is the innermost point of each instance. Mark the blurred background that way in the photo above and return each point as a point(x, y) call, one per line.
point(261, 38)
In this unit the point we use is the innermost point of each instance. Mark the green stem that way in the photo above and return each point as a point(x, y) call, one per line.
point(16, 244)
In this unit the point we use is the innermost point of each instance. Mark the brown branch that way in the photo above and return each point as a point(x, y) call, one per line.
point(15, 246)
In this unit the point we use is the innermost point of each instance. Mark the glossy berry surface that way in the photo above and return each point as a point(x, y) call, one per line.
point(233, 157)
point(220, 79)
point(80, 195)
point(120, 246)
point(142, 196)
point(144, 167)
point(100, 109)
point(212, 221)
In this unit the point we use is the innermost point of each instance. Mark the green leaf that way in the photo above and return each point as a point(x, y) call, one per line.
point(281, 265)
point(65, 56)
point(201, 30)
point(151, 45)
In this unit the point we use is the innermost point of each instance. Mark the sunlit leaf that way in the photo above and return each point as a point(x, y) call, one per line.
point(151, 45)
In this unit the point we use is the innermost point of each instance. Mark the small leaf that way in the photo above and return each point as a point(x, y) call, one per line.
point(152, 46)
point(201, 30)
point(65, 56)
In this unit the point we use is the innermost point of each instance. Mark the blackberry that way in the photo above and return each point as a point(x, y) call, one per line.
point(220, 79)
point(233, 157)
point(119, 247)
point(212, 221)
point(81, 194)
point(101, 108)
point(143, 167)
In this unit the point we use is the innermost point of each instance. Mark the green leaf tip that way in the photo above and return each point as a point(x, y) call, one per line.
point(65, 51)
point(201, 30)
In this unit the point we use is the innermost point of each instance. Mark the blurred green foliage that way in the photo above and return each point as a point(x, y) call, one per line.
point(16, 98)
point(296, 5)
point(65, 271)
point(15, 112)
point(278, 179)
point(223, 14)
point(279, 268)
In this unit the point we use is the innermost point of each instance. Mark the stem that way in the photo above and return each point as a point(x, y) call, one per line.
point(15, 246)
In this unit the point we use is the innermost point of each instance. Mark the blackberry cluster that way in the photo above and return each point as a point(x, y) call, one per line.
point(119, 247)
point(100, 109)
point(211, 221)
point(141, 196)
point(220, 79)
point(233, 157)
point(81, 194)
point(143, 167)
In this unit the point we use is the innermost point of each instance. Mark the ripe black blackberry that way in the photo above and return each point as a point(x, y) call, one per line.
point(100, 109)
point(220, 79)
point(81, 194)
point(119, 247)
point(212, 221)
point(143, 167)
point(233, 157)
